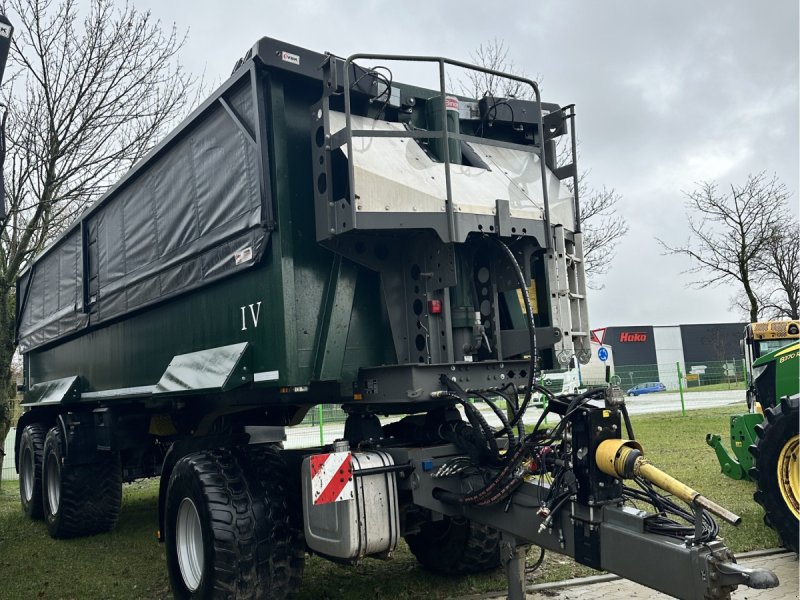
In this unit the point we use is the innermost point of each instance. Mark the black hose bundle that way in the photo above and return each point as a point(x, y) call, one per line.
point(662, 524)
point(526, 299)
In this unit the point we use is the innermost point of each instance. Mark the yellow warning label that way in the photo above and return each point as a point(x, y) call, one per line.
point(532, 296)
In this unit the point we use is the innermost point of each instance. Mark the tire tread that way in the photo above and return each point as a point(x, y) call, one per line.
point(35, 433)
point(253, 543)
point(464, 547)
point(91, 495)
point(780, 423)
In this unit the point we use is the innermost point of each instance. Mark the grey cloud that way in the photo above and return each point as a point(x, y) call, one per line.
point(667, 93)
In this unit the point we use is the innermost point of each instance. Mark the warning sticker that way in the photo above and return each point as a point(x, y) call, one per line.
point(243, 255)
point(451, 103)
point(290, 58)
point(332, 477)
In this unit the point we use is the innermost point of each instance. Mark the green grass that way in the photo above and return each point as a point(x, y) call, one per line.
point(717, 387)
point(129, 564)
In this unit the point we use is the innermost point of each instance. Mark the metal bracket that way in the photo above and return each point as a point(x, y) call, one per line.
point(502, 217)
point(56, 391)
point(215, 369)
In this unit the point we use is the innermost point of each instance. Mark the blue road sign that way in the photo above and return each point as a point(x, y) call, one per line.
point(602, 354)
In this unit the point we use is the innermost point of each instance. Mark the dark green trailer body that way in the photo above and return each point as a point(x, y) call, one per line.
point(318, 233)
point(290, 273)
point(275, 304)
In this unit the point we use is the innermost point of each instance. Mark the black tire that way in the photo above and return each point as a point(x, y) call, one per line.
point(78, 500)
point(284, 502)
point(243, 546)
point(455, 546)
point(31, 445)
point(775, 452)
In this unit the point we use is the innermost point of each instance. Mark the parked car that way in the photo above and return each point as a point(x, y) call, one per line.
point(647, 388)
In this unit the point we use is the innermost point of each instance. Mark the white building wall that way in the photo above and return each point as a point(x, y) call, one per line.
point(669, 350)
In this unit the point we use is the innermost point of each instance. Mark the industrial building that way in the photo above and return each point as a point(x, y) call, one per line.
point(706, 352)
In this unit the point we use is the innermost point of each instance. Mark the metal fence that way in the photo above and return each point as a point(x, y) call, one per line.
point(705, 375)
point(325, 423)
point(8, 472)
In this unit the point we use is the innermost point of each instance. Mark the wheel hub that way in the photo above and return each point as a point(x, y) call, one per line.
point(53, 483)
point(788, 476)
point(27, 474)
point(189, 544)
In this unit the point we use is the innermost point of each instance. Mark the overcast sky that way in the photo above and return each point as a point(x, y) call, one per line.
point(668, 93)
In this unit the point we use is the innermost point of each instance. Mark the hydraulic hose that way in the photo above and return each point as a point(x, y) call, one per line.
point(529, 321)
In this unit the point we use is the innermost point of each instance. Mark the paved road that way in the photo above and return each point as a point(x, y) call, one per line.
point(670, 401)
point(783, 564)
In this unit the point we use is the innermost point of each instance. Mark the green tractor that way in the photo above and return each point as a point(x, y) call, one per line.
point(764, 440)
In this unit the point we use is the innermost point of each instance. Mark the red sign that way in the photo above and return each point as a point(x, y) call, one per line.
point(332, 477)
point(632, 336)
point(598, 335)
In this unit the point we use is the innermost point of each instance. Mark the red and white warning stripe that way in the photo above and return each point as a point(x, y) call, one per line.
point(332, 477)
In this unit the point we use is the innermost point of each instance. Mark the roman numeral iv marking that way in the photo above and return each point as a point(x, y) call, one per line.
point(255, 310)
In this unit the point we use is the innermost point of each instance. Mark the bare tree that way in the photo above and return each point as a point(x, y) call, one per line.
point(729, 233)
point(91, 90)
point(779, 264)
point(493, 55)
point(603, 226)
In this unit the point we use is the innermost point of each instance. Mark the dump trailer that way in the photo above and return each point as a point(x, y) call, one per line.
point(318, 233)
point(764, 440)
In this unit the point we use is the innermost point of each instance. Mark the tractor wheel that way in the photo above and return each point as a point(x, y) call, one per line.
point(78, 500)
point(31, 444)
point(455, 546)
point(775, 470)
point(228, 532)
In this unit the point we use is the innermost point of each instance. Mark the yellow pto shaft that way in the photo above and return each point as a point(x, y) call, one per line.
point(625, 459)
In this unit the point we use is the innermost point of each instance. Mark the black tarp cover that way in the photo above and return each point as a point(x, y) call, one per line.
point(192, 214)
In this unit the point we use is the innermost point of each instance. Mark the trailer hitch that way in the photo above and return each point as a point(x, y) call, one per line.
point(725, 575)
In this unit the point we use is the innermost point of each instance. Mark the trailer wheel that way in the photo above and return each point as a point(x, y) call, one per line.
point(455, 546)
point(31, 444)
point(226, 532)
point(776, 470)
point(78, 500)
point(284, 503)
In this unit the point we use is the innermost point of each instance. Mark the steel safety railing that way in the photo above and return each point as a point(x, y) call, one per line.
point(444, 134)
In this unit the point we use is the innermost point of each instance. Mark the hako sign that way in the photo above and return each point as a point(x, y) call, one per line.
point(632, 336)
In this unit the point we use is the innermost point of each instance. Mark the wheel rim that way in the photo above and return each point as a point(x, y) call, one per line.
point(53, 483)
point(189, 543)
point(788, 476)
point(27, 468)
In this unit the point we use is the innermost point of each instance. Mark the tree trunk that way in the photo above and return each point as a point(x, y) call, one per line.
point(7, 385)
point(751, 298)
point(6, 412)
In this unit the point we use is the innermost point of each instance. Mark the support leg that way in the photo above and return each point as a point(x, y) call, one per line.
point(513, 558)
